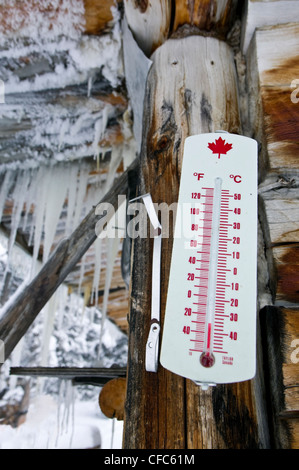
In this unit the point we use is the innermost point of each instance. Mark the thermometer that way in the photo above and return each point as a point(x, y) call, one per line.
point(209, 332)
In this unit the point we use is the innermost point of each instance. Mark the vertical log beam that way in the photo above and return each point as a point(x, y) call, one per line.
point(191, 89)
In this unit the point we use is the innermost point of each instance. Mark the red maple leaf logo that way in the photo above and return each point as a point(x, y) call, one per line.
point(220, 147)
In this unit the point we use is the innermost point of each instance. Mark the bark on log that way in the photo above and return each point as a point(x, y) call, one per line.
point(20, 314)
point(191, 89)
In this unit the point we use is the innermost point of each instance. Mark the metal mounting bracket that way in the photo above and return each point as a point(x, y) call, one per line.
point(152, 345)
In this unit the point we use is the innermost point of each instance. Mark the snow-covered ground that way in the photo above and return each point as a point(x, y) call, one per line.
point(65, 333)
point(45, 428)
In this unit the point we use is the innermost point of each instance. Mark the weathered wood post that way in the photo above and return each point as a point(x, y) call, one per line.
point(274, 119)
point(191, 89)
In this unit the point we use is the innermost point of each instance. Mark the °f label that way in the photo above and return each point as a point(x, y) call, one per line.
point(209, 332)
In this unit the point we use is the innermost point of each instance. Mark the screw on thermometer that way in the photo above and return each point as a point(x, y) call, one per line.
point(209, 328)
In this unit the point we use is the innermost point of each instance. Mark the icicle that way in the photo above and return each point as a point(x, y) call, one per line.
point(114, 164)
point(15, 361)
point(112, 433)
point(73, 399)
point(30, 198)
point(42, 183)
point(97, 271)
point(6, 185)
point(56, 196)
point(72, 192)
point(66, 400)
point(112, 250)
point(50, 313)
point(82, 271)
point(19, 195)
point(63, 130)
point(63, 295)
point(89, 86)
point(84, 173)
point(99, 130)
point(59, 405)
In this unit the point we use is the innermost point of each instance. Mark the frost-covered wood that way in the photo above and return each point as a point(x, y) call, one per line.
point(68, 122)
point(63, 90)
point(258, 13)
point(23, 309)
point(191, 89)
point(18, 18)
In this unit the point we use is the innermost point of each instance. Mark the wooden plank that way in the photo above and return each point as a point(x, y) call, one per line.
point(213, 16)
point(273, 114)
point(20, 313)
point(259, 13)
point(280, 330)
point(190, 84)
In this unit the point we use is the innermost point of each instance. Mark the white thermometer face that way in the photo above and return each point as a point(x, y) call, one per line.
point(209, 332)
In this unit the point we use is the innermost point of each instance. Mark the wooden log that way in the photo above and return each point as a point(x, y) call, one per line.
point(257, 14)
point(60, 123)
point(21, 312)
point(280, 330)
point(112, 398)
point(273, 111)
point(279, 212)
point(149, 21)
point(191, 89)
point(98, 15)
point(213, 16)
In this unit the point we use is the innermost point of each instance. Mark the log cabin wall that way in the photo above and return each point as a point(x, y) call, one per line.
point(163, 410)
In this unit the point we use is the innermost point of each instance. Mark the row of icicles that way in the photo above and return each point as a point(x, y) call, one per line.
point(48, 203)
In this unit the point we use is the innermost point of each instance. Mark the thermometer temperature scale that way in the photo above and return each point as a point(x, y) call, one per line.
point(209, 332)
